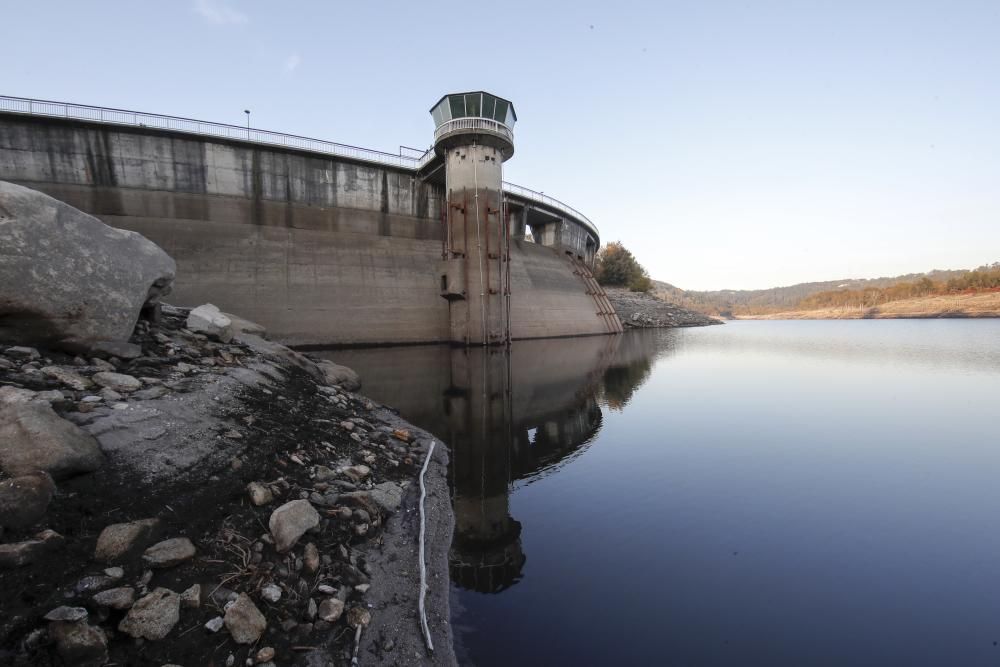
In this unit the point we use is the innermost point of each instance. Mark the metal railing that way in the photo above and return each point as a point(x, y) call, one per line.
point(110, 116)
point(190, 126)
point(480, 124)
point(551, 202)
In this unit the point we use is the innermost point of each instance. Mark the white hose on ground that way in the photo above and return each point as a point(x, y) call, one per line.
point(357, 644)
point(423, 567)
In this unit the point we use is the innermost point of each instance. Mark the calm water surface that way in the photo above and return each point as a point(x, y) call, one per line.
point(761, 493)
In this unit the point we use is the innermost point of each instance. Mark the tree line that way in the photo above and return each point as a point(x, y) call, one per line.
point(982, 278)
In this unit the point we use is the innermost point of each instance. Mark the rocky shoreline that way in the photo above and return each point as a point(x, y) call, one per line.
point(175, 489)
point(231, 502)
point(639, 310)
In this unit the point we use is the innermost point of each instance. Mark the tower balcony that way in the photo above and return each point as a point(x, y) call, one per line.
point(463, 118)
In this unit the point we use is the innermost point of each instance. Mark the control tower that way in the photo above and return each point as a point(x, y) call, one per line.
point(475, 135)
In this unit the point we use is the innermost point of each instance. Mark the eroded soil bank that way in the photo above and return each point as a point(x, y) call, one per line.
point(238, 448)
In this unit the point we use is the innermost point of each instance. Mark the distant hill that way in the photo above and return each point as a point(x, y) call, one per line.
point(729, 303)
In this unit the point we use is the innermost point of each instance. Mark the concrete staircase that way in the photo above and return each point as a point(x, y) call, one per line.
point(604, 308)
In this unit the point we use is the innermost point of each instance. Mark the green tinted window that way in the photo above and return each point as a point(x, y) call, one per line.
point(501, 112)
point(489, 102)
point(457, 103)
point(473, 104)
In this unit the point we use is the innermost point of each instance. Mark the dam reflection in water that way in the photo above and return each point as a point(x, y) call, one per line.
point(507, 415)
point(767, 493)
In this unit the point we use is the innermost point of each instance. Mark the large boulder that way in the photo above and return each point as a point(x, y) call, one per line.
point(280, 354)
point(339, 375)
point(23, 500)
point(69, 280)
point(241, 325)
point(33, 438)
point(209, 320)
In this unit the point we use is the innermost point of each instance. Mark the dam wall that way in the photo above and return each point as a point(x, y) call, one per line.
point(321, 249)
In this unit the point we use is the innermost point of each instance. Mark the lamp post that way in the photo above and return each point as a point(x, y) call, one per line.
point(247, 112)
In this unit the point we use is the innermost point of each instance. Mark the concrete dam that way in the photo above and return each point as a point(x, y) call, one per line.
point(325, 243)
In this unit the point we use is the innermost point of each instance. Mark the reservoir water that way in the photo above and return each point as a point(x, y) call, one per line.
point(759, 493)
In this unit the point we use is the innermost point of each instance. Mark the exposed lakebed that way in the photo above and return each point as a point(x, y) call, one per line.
point(780, 493)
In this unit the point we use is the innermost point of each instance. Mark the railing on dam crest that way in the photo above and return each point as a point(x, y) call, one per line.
point(111, 116)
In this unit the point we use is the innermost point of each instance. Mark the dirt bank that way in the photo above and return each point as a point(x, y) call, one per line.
point(228, 452)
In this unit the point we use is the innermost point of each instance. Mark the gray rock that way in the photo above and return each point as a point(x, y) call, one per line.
point(280, 354)
point(290, 522)
point(120, 598)
point(102, 365)
point(244, 621)
point(118, 539)
point(69, 614)
point(324, 474)
point(271, 593)
point(109, 395)
point(215, 624)
point(355, 473)
point(12, 395)
point(241, 325)
point(67, 278)
point(310, 558)
point(113, 348)
point(92, 583)
point(71, 379)
point(331, 609)
point(342, 376)
point(259, 494)
point(17, 554)
point(23, 500)
point(169, 553)
point(79, 644)
point(151, 393)
point(358, 617)
point(153, 616)
point(119, 382)
point(211, 321)
point(48, 396)
point(191, 597)
point(387, 496)
point(33, 437)
point(21, 352)
point(114, 572)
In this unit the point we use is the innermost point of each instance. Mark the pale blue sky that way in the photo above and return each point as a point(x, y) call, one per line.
point(728, 144)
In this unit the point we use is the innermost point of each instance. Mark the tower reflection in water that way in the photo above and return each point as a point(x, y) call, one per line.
point(506, 415)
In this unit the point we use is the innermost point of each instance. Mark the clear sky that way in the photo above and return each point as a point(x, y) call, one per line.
point(728, 144)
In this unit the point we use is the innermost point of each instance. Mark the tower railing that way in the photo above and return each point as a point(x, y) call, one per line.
point(479, 124)
point(112, 116)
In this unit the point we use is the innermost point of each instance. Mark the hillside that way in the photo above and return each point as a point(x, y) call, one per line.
point(983, 304)
point(776, 300)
